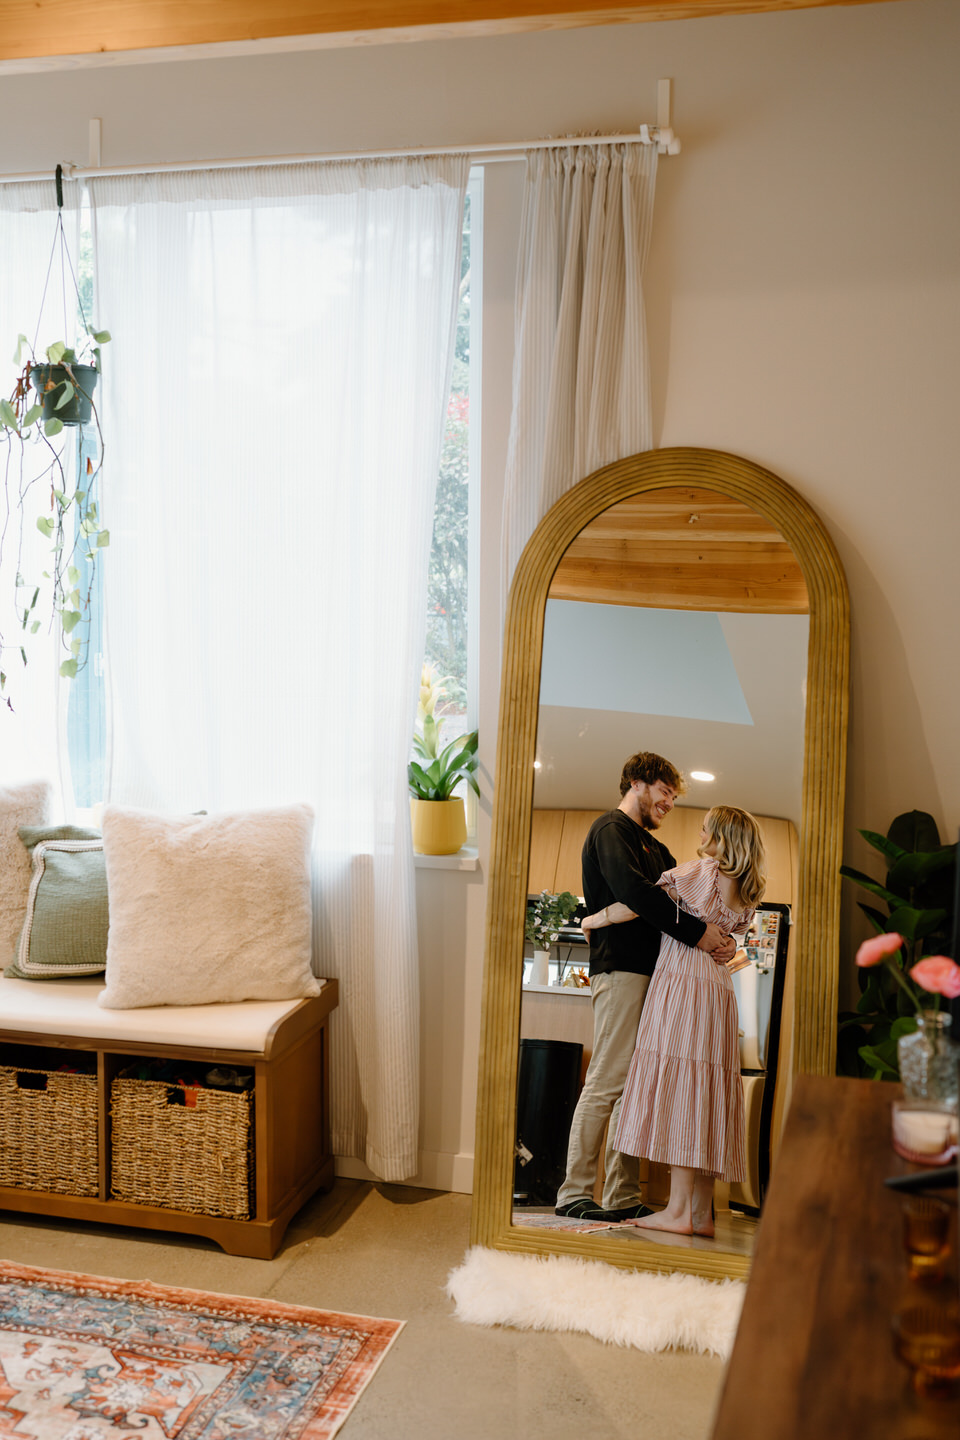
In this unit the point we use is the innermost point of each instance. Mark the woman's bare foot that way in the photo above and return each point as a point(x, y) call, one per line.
point(703, 1225)
point(663, 1220)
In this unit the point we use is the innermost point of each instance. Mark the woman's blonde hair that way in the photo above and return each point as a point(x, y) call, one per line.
point(740, 850)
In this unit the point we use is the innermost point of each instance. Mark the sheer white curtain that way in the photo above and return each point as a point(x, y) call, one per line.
point(581, 389)
point(28, 218)
point(275, 396)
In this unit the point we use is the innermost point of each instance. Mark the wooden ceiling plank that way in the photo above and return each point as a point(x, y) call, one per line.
point(724, 550)
point(34, 29)
point(730, 602)
point(682, 548)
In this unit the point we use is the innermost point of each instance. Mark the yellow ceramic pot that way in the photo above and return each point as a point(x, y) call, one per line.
point(439, 826)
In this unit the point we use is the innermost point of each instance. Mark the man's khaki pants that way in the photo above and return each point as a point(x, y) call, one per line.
point(617, 1001)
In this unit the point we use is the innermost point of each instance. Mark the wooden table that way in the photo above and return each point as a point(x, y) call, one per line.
point(813, 1355)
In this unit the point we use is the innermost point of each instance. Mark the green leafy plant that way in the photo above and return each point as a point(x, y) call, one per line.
point(439, 768)
point(546, 916)
point(50, 481)
point(917, 892)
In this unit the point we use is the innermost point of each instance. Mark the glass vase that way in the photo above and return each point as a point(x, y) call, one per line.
point(929, 1059)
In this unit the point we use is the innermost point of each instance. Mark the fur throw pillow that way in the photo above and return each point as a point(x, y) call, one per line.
point(19, 805)
point(207, 909)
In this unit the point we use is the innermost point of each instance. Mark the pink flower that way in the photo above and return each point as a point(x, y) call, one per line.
point(875, 950)
point(938, 974)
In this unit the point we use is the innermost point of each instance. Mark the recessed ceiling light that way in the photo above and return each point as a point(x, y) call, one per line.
point(701, 775)
point(537, 765)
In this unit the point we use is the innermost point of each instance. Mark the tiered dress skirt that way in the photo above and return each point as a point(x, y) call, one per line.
point(683, 1100)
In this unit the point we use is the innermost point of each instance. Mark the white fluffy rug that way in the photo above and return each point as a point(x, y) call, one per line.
point(625, 1307)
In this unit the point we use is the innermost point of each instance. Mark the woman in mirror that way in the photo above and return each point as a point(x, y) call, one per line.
point(682, 1104)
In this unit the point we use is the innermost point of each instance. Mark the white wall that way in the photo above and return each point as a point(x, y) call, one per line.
point(803, 305)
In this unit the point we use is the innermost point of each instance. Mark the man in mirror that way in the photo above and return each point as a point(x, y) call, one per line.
point(622, 860)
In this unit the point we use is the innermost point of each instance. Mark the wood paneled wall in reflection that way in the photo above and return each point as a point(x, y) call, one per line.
point(558, 835)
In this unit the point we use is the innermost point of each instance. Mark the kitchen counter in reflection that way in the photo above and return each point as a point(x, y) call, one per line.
point(557, 1012)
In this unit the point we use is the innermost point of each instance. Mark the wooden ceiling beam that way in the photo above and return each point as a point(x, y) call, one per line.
point(682, 549)
point(35, 29)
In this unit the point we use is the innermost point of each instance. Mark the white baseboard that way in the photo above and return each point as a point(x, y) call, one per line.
point(438, 1171)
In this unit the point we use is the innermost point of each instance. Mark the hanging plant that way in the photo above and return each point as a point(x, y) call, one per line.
point(50, 431)
point(48, 478)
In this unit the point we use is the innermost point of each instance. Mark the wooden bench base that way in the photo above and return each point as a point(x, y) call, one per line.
point(291, 1128)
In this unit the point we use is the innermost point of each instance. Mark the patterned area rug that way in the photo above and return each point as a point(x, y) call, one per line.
point(82, 1358)
point(540, 1220)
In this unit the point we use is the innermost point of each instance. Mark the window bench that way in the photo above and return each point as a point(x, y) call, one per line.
point(284, 1044)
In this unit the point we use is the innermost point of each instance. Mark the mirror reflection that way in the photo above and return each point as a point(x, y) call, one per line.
point(676, 623)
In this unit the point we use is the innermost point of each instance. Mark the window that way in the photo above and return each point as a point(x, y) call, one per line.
point(450, 646)
point(86, 699)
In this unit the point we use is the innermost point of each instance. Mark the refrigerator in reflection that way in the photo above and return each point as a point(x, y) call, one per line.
point(759, 990)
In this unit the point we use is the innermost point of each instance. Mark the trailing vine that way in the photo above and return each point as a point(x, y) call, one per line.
point(41, 485)
point(49, 484)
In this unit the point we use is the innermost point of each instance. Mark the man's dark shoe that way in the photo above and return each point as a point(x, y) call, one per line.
point(584, 1209)
point(629, 1212)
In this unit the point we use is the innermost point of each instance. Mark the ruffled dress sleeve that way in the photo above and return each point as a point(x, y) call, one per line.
point(696, 884)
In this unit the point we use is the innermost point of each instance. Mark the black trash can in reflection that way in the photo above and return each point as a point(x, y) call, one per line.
point(547, 1089)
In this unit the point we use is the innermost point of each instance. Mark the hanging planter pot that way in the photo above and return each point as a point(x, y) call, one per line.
point(66, 391)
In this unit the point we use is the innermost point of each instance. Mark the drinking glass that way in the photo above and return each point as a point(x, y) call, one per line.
point(926, 1232)
point(927, 1340)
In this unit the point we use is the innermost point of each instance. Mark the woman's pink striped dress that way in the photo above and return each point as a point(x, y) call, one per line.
point(683, 1100)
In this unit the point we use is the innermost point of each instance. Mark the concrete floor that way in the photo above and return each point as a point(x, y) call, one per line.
point(386, 1250)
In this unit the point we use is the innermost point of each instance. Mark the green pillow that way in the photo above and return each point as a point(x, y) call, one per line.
point(65, 930)
point(32, 835)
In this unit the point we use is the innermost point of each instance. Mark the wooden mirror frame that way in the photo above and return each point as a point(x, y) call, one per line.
point(818, 897)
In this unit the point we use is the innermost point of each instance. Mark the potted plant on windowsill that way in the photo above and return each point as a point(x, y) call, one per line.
point(52, 485)
point(437, 816)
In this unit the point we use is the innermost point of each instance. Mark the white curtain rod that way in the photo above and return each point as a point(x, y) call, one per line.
point(660, 135)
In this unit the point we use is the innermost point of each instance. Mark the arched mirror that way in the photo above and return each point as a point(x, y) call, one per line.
point(653, 556)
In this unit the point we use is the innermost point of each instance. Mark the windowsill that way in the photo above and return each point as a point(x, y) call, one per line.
point(466, 858)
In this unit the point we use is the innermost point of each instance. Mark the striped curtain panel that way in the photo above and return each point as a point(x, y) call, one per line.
point(581, 388)
point(37, 299)
point(275, 401)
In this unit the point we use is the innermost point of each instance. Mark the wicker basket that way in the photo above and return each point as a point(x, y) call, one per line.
point(196, 1157)
point(48, 1131)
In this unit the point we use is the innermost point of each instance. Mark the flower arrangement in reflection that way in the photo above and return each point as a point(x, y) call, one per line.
point(546, 916)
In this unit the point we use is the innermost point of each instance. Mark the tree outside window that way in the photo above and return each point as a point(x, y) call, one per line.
point(446, 640)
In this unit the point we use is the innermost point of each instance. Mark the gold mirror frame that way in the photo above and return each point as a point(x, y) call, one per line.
point(818, 897)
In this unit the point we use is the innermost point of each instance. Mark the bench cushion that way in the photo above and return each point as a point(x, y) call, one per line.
point(69, 1008)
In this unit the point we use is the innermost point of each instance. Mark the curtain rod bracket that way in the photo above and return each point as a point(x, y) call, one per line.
point(667, 142)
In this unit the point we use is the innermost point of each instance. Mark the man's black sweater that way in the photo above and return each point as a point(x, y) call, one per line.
point(622, 861)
